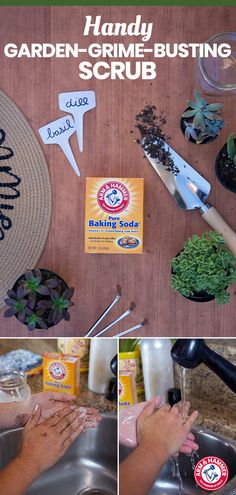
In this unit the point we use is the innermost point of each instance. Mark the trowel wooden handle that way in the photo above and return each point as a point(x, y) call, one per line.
point(216, 222)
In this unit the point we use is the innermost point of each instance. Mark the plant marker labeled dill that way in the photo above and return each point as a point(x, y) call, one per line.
point(59, 132)
point(78, 103)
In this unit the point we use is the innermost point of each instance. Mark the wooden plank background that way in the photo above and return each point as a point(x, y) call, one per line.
point(110, 151)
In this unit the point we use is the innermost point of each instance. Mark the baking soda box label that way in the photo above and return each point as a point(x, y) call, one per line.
point(61, 373)
point(114, 215)
point(127, 389)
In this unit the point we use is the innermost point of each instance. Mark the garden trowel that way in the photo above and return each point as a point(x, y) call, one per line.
point(188, 188)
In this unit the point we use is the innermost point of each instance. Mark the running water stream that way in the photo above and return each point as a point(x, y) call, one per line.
point(182, 376)
point(193, 457)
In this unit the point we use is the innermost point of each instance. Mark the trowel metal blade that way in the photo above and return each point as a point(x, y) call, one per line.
point(187, 187)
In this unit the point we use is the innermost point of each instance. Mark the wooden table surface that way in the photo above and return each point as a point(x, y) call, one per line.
point(110, 151)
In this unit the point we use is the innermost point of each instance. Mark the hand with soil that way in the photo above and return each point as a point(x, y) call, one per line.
point(167, 429)
point(50, 403)
point(45, 443)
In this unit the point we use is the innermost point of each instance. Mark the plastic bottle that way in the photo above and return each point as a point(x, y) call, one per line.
point(102, 352)
point(157, 367)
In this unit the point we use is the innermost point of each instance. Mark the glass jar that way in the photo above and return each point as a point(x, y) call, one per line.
point(13, 386)
point(217, 75)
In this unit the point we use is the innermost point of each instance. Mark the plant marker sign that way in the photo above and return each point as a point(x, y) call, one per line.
point(77, 103)
point(211, 473)
point(59, 132)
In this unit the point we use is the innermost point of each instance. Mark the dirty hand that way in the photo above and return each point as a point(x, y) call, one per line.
point(164, 429)
point(49, 402)
point(45, 443)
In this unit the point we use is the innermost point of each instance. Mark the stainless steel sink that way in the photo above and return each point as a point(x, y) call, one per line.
point(210, 445)
point(87, 468)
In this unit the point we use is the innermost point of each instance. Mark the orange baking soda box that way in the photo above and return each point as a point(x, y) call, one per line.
point(61, 373)
point(114, 215)
point(127, 389)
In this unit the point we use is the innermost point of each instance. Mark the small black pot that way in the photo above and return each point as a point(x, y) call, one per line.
point(197, 296)
point(200, 297)
point(183, 127)
point(48, 274)
point(226, 170)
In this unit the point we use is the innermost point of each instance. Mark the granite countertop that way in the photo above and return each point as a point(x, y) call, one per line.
point(86, 397)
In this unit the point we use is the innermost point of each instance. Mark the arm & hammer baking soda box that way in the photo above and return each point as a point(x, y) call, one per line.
point(61, 373)
point(114, 215)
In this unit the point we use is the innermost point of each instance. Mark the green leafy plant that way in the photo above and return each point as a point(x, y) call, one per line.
point(41, 299)
point(128, 345)
point(206, 120)
point(231, 148)
point(205, 265)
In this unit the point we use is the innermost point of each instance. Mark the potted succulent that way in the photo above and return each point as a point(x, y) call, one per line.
point(201, 122)
point(39, 299)
point(226, 164)
point(204, 269)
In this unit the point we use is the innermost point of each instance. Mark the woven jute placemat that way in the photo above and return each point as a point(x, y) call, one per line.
point(25, 196)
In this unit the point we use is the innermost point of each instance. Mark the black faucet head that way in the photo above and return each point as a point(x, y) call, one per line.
point(113, 365)
point(188, 352)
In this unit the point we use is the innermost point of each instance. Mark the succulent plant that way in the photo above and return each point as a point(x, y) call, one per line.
point(231, 148)
point(58, 305)
point(34, 318)
point(17, 304)
point(206, 120)
point(205, 265)
point(40, 300)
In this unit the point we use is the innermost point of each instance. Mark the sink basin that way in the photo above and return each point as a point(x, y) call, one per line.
point(210, 444)
point(87, 468)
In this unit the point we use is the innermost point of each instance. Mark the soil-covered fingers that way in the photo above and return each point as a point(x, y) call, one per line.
point(34, 419)
point(60, 415)
point(69, 420)
point(68, 440)
point(62, 397)
point(88, 410)
point(92, 421)
point(75, 427)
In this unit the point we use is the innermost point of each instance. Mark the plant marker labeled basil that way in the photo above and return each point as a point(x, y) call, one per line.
point(77, 103)
point(59, 132)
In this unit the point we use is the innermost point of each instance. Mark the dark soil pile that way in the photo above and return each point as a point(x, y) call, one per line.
point(226, 170)
point(152, 135)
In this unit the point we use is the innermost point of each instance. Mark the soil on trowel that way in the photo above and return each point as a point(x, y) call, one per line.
point(151, 130)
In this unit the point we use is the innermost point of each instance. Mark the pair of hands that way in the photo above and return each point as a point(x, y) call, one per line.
point(52, 427)
point(166, 429)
